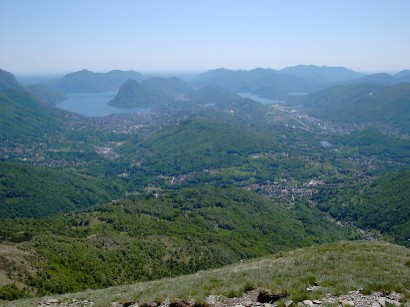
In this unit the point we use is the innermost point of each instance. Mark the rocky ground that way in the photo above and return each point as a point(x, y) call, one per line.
point(262, 298)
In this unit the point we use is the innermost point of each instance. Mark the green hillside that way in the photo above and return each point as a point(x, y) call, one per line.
point(29, 191)
point(203, 144)
point(383, 205)
point(24, 119)
point(372, 142)
point(363, 103)
point(45, 94)
point(144, 238)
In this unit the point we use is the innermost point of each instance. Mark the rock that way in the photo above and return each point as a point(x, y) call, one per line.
point(247, 303)
point(345, 302)
point(317, 302)
point(51, 301)
point(375, 304)
point(179, 303)
point(308, 303)
point(265, 296)
point(288, 303)
point(393, 302)
point(311, 289)
point(395, 296)
point(382, 301)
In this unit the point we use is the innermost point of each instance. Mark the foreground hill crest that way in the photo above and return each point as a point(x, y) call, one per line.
point(338, 269)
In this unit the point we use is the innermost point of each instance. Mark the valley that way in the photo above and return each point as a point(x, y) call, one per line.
point(194, 184)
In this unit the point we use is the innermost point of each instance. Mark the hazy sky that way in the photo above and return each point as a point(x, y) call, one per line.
point(175, 35)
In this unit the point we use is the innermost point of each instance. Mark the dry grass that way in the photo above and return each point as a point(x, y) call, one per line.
point(11, 258)
point(338, 268)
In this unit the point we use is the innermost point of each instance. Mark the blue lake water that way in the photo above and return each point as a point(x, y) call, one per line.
point(258, 99)
point(95, 104)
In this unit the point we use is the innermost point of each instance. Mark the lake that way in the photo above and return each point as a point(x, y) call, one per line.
point(258, 99)
point(95, 105)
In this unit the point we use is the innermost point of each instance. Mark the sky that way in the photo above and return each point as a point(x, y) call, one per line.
point(53, 36)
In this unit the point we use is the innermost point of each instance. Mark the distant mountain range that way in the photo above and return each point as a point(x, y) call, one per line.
point(271, 83)
point(86, 81)
point(299, 79)
point(266, 83)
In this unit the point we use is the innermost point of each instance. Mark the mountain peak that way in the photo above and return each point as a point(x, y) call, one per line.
point(325, 73)
point(8, 81)
point(135, 94)
point(403, 74)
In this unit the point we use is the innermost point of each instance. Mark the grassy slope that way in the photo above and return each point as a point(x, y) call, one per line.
point(338, 267)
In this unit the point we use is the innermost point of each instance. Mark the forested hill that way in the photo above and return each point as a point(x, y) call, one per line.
point(383, 205)
point(203, 144)
point(363, 103)
point(45, 94)
point(142, 238)
point(24, 119)
point(135, 94)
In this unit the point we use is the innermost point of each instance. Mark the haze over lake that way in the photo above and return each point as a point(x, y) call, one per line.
point(259, 99)
point(95, 105)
